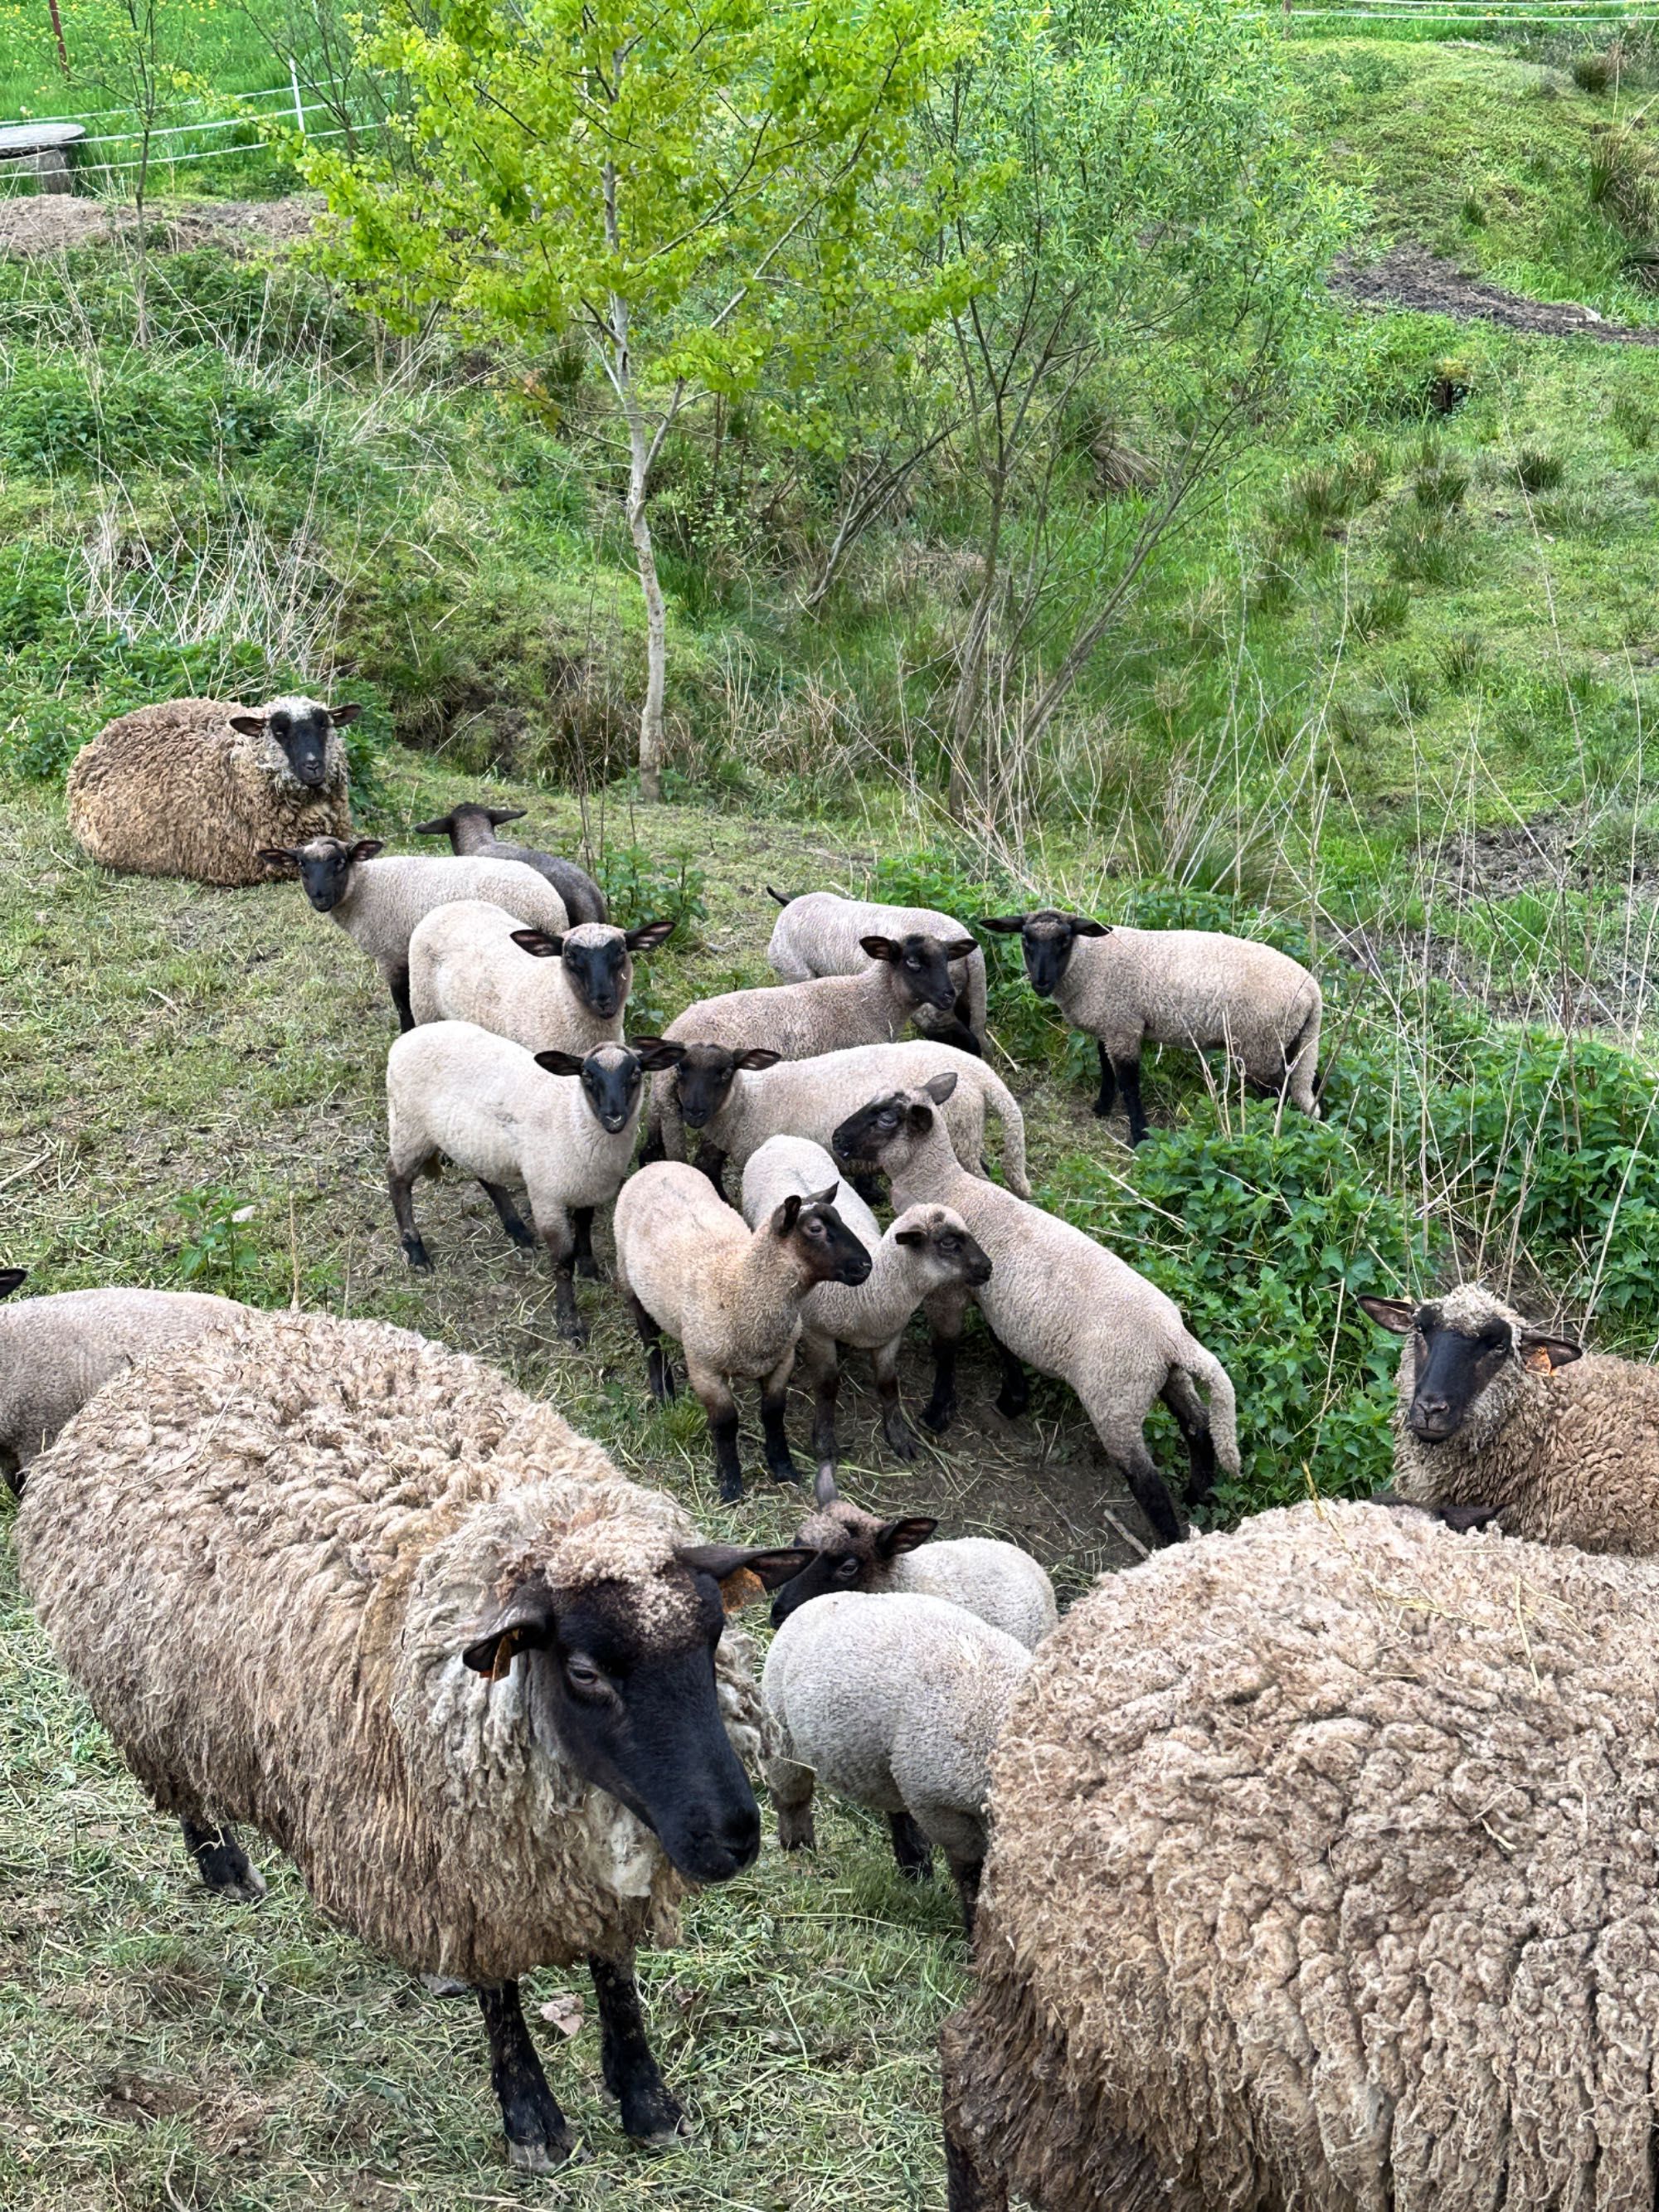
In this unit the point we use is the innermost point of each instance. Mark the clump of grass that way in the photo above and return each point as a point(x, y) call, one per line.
point(1536, 471)
point(1352, 718)
point(1463, 659)
point(1440, 483)
point(1272, 590)
point(1409, 692)
point(1426, 546)
point(1622, 182)
point(1634, 423)
point(1382, 612)
point(1474, 211)
point(1601, 513)
point(1598, 73)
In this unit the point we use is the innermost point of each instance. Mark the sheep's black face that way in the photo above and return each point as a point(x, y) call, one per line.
point(1046, 940)
point(965, 1257)
point(304, 738)
point(832, 1253)
point(325, 872)
point(704, 1080)
point(599, 973)
point(1453, 1368)
point(834, 1569)
point(862, 1138)
point(925, 973)
point(611, 1083)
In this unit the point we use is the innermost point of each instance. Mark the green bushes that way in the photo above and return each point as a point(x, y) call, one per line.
point(72, 414)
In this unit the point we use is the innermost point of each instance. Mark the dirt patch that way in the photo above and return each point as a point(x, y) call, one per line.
point(53, 223)
point(1409, 276)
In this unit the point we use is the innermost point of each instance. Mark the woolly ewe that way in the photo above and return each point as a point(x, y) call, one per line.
point(472, 961)
point(1321, 1878)
point(199, 787)
point(354, 1589)
point(820, 934)
point(1192, 987)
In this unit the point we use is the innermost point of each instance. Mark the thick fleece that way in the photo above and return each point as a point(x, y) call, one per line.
point(262, 1558)
point(801, 1021)
point(55, 1351)
point(174, 790)
point(1323, 1879)
point(820, 934)
point(384, 899)
point(995, 1581)
point(465, 967)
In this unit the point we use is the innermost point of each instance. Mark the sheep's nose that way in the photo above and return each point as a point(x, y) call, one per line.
point(1431, 1418)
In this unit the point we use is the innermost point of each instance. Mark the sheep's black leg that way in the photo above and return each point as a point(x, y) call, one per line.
point(224, 1865)
point(537, 2138)
point(937, 1412)
point(723, 1428)
point(650, 2114)
point(1107, 1082)
point(511, 1219)
point(965, 1873)
point(894, 1426)
point(1184, 1401)
point(1015, 1395)
point(1128, 1076)
point(564, 1300)
point(1147, 1486)
point(402, 1189)
point(779, 1464)
point(826, 1389)
point(911, 1849)
point(581, 1221)
point(711, 1161)
point(659, 1368)
point(398, 982)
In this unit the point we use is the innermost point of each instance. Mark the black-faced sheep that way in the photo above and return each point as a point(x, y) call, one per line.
point(354, 1589)
point(470, 830)
point(199, 788)
point(470, 960)
point(821, 933)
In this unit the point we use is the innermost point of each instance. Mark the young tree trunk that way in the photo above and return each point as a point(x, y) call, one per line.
point(656, 626)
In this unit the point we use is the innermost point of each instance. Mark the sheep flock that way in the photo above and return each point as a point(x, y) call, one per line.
point(1312, 1866)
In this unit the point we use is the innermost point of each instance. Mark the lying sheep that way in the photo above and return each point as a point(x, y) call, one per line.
point(735, 1100)
point(1321, 1876)
point(852, 1550)
point(199, 788)
point(378, 901)
point(1061, 1303)
point(328, 1579)
point(490, 1106)
point(471, 962)
point(688, 1264)
point(925, 1253)
point(894, 1703)
point(1502, 1417)
point(820, 934)
point(55, 1351)
point(1192, 987)
point(470, 830)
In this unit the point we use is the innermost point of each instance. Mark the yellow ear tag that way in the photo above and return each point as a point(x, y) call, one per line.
point(741, 1588)
point(1537, 1360)
point(506, 1652)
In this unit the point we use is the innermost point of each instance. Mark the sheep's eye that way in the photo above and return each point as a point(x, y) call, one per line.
point(911, 961)
point(949, 1243)
point(814, 1226)
point(582, 1675)
point(847, 1569)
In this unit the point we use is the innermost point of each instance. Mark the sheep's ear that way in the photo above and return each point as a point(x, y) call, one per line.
point(250, 725)
point(909, 1237)
point(366, 849)
point(895, 1536)
point(880, 948)
point(654, 1055)
point(823, 1197)
point(12, 1279)
point(522, 1621)
point(1082, 926)
point(744, 1575)
point(279, 856)
point(345, 713)
point(939, 1087)
point(650, 934)
point(537, 941)
point(760, 1056)
point(1008, 924)
point(1544, 1354)
point(1397, 1315)
point(559, 1063)
point(439, 826)
point(497, 816)
point(785, 1217)
point(959, 948)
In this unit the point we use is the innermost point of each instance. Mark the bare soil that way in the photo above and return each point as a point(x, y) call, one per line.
point(1409, 276)
point(54, 222)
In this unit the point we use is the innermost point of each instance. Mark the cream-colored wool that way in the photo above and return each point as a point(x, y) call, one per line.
point(986, 1577)
point(172, 790)
point(384, 899)
point(812, 1098)
point(262, 1556)
point(465, 967)
point(1323, 1879)
point(1569, 1457)
point(822, 934)
point(55, 1351)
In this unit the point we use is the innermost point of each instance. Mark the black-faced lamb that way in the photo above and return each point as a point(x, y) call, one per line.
point(472, 961)
point(893, 1703)
point(1192, 987)
point(688, 1264)
point(563, 1127)
point(378, 902)
point(854, 1550)
point(56, 1351)
point(734, 1100)
point(1498, 1416)
point(330, 1580)
point(1060, 1303)
point(925, 1253)
point(821, 933)
point(199, 788)
point(1322, 1875)
point(470, 830)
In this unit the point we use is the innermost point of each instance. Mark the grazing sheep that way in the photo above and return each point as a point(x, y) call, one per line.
point(563, 1127)
point(688, 1264)
point(1500, 1418)
point(470, 830)
point(737, 1099)
point(471, 962)
point(1321, 1878)
point(55, 1351)
point(1059, 1302)
point(894, 1703)
point(350, 1587)
point(852, 1550)
point(199, 787)
point(1192, 987)
point(820, 934)
point(924, 1254)
point(378, 902)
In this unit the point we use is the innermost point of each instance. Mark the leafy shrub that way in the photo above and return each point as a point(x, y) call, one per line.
point(69, 414)
point(640, 885)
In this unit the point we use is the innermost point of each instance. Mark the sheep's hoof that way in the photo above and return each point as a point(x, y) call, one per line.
point(544, 2157)
point(664, 2138)
point(783, 1470)
point(419, 1258)
point(901, 1443)
point(938, 1418)
point(731, 1489)
point(446, 1985)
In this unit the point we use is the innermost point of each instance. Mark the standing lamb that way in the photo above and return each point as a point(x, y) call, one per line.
point(927, 1252)
point(471, 962)
point(55, 1351)
point(470, 830)
point(563, 1127)
point(378, 901)
point(199, 788)
point(820, 934)
point(355, 1589)
point(1062, 1303)
point(852, 1550)
point(688, 1264)
point(1321, 1876)
point(1497, 1416)
point(894, 1703)
point(1192, 987)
